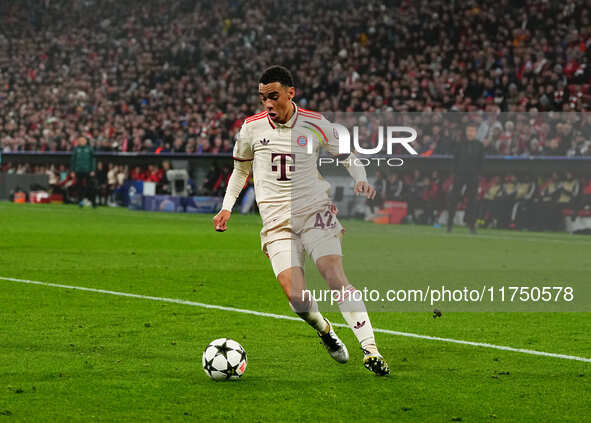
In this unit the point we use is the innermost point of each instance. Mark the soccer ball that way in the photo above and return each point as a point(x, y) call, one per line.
point(224, 359)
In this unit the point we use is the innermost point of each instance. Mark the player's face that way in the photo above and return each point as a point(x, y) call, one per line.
point(276, 99)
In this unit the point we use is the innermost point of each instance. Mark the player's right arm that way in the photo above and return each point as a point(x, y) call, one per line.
point(243, 156)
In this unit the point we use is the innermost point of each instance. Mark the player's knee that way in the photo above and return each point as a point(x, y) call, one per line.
point(291, 281)
point(284, 277)
point(336, 280)
point(333, 279)
point(331, 269)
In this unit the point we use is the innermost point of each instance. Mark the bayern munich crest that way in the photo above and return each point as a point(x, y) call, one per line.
point(302, 140)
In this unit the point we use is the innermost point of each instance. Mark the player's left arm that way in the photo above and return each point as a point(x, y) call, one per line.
point(350, 162)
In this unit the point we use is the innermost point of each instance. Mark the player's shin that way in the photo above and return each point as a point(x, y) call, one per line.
point(355, 314)
point(308, 311)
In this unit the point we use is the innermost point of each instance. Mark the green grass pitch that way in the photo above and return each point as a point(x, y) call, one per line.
point(77, 356)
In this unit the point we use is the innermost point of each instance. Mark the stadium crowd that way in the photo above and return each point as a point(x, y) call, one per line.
point(180, 75)
point(108, 182)
point(510, 201)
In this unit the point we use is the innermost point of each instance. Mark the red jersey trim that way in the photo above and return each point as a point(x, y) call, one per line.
point(256, 116)
point(310, 115)
point(297, 114)
point(241, 160)
point(271, 122)
point(309, 111)
point(252, 120)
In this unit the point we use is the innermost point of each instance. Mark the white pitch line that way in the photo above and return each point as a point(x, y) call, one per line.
point(283, 317)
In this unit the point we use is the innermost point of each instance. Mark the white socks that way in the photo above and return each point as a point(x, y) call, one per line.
point(312, 316)
point(353, 311)
point(355, 314)
point(315, 319)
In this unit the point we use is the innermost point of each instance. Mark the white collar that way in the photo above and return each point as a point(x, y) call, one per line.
point(292, 120)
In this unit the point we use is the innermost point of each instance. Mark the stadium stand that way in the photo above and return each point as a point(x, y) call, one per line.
point(180, 76)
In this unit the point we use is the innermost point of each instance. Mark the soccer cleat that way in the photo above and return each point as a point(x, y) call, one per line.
point(376, 363)
point(335, 347)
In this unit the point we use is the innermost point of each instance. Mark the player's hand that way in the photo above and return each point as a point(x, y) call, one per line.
point(333, 209)
point(220, 220)
point(364, 189)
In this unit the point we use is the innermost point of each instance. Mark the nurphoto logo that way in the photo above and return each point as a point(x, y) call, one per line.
point(388, 136)
point(389, 131)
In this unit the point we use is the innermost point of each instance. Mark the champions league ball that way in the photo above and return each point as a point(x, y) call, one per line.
point(224, 359)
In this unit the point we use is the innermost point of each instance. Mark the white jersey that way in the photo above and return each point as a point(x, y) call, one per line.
point(286, 177)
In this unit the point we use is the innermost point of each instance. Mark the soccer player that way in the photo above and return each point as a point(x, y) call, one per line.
point(281, 145)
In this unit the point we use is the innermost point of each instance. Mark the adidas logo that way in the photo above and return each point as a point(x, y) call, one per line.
point(264, 141)
point(359, 325)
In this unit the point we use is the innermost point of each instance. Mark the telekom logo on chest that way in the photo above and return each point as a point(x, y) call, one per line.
point(283, 159)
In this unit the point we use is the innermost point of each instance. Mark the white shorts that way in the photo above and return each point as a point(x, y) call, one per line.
point(320, 236)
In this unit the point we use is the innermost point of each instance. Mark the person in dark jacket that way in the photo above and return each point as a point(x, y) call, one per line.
point(468, 157)
point(83, 164)
point(381, 186)
point(102, 184)
point(521, 213)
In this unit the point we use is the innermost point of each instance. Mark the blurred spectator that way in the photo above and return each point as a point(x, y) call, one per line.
point(102, 184)
point(394, 189)
point(154, 174)
point(216, 180)
point(380, 185)
point(83, 163)
point(431, 198)
point(137, 174)
point(506, 200)
point(490, 193)
point(568, 193)
point(547, 212)
point(521, 212)
point(163, 185)
point(111, 178)
point(414, 190)
point(67, 187)
point(468, 158)
point(584, 202)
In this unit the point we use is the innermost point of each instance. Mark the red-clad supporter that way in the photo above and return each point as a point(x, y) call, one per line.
point(67, 186)
point(137, 174)
point(587, 188)
point(584, 202)
point(154, 174)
